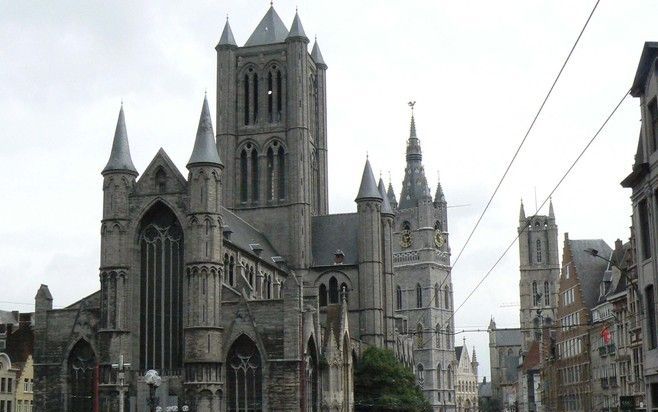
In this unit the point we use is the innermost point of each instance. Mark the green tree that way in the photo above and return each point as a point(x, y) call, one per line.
point(382, 383)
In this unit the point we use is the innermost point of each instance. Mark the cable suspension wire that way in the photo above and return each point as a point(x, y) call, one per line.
point(525, 137)
point(564, 176)
point(518, 149)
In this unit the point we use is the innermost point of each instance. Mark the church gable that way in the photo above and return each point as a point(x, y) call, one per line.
point(161, 176)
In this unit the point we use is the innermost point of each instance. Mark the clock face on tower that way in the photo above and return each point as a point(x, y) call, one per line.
point(438, 238)
point(405, 239)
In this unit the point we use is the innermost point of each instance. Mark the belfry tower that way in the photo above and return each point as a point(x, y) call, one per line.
point(539, 267)
point(272, 127)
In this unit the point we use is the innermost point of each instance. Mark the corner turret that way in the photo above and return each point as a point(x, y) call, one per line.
point(368, 189)
point(521, 212)
point(297, 30)
point(316, 55)
point(227, 39)
point(120, 160)
point(205, 149)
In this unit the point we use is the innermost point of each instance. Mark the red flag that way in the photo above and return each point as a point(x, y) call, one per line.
point(605, 334)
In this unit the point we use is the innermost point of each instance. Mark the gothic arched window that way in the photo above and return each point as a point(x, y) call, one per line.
point(438, 225)
point(437, 293)
point(281, 181)
point(244, 176)
point(538, 245)
point(419, 296)
point(406, 225)
point(333, 290)
point(547, 294)
point(81, 377)
point(323, 295)
point(247, 111)
point(398, 297)
point(448, 338)
point(161, 284)
point(161, 180)
point(535, 294)
point(249, 177)
point(449, 377)
point(446, 300)
point(438, 376)
point(270, 173)
point(437, 332)
point(419, 335)
point(244, 380)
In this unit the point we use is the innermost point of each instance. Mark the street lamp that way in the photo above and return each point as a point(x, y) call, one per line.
point(153, 380)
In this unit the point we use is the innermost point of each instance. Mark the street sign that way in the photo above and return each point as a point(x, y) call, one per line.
point(626, 403)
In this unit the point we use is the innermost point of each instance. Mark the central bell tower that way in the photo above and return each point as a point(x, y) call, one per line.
point(271, 124)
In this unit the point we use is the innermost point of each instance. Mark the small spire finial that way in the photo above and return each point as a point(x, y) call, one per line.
point(205, 92)
point(271, 3)
point(226, 16)
point(367, 155)
point(389, 177)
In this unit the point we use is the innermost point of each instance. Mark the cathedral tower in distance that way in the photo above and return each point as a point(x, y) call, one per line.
point(539, 267)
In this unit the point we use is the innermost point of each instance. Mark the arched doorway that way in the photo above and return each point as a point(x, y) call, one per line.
point(81, 377)
point(161, 267)
point(244, 377)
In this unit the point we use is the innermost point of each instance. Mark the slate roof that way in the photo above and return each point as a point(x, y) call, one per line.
point(386, 204)
point(205, 149)
point(120, 159)
point(296, 29)
point(507, 337)
point(316, 54)
point(332, 232)
point(458, 352)
point(589, 269)
point(270, 30)
point(243, 234)
point(368, 188)
point(227, 38)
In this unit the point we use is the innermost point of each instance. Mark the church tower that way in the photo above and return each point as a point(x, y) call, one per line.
point(272, 128)
point(539, 268)
point(116, 255)
point(423, 283)
point(202, 291)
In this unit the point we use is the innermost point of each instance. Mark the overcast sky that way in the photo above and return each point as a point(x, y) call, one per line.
point(478, 71)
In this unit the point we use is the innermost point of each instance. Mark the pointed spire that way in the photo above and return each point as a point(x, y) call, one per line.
point(270, 30)
point(368, 189)
point(120, 160)
point(227, 38)
point(386, 205)
point(439, 196)
point(316, 55)
point(296, 29)
point(551, 212)
point(205, 149)
point(414, 186)
point(392, 200)
point(474, 358)
point(522, 212)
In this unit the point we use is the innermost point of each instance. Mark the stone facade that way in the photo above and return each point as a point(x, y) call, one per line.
point(642, 180)
point(235, 283)
point(466, 380)
point(504, 354)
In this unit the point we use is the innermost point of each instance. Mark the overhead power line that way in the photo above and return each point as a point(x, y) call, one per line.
point(527, 133)
point(573, 164)
point(518, 149)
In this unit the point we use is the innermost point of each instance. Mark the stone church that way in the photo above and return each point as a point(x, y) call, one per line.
point(234, 282)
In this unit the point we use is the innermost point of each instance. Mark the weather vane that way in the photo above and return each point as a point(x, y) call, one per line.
point(412, 104)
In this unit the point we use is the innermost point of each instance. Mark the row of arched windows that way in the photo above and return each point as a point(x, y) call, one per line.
point(331, 295)
point(250, 177)
point(252, 91)
point(419, 297)
point(439, 336)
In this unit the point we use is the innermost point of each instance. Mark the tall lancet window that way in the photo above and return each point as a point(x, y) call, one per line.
point(547, 294)
point(281, 181)
point(247, 112)
point(161, 266)
point(535, 294)
point(81, 378)
point(249, 178)
point(244, 380)
point(270, 174)
point(244, 176)
point(538, 245)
